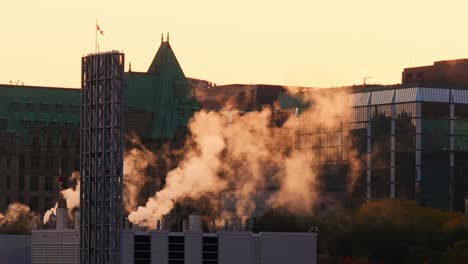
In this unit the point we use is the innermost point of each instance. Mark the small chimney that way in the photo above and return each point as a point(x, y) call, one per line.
point(184, 225)
point(194, 222)
point(158, 224)
point(62, 214)
point(77, 219)
point(52, 221)
point(466, 202)
point(127, 224)
point(213, 225)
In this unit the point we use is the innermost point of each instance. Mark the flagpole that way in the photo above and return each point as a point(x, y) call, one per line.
point(95, 30)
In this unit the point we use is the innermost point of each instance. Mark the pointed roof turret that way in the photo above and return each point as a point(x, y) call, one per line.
point(165, 60)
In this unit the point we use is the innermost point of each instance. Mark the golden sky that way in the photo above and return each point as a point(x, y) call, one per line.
point(296, 42)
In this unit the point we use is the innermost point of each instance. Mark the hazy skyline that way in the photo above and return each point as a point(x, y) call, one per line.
point(302, 42)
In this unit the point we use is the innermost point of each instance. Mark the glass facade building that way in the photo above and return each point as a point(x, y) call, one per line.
point(411, 143)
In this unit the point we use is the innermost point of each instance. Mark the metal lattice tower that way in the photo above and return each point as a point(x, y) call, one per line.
point(101, 157)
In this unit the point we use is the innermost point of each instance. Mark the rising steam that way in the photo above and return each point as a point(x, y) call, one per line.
point(242, 154)
point(18, 219)
point(71, 195)
point(136, 161)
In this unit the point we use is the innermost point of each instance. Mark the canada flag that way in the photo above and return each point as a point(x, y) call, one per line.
point(99, 29)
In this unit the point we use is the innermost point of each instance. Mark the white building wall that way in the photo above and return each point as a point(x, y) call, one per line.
point(55, 246)
point(279, 248)
point(127, 246)
point(235, 247)
point(193, 247)
point(159, 247)
point(15, 249)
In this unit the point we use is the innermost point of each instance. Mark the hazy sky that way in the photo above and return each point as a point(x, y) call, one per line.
point(295, 42)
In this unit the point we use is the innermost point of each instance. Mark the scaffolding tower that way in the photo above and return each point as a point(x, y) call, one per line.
point(101, 155)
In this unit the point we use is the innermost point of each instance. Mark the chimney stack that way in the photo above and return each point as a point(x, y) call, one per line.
point(77, 219)
point(194, 223)
point(62, 214)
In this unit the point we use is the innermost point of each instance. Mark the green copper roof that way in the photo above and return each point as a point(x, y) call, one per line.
point(24, 106)
point(163, 92)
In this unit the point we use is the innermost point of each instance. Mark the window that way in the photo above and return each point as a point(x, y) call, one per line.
point(47, 203)
point(461, 111)
point(76, 164)
point(40, 124)
point(33, 203)
point(21, 182)
point(48, 183)
point(420, 75)
point(64, 142)
point(406, 110)
point(181, 112)
point(430, 110)
point(408, 76)
point(33, 182)
point(3, 124)
point(30, 107)
point(358, 114)
point(8, 182)
point(44, 108)
point(35, 141)
point(59, 108)
point(8, 163)
point(26, 123)
point(50, 142)
point(74, 109)
point(16, 107)
point(50, 162)
point(64, 164)
point(35, 162)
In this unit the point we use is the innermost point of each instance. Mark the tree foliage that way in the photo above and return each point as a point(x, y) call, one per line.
point(388, 231)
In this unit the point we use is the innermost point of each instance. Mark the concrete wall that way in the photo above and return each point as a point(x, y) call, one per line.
point(235, 247)
point(278, 248)
point(193, 247)
point(15, 249)
point(127, 246)
point(55, 246)
point(159, 247)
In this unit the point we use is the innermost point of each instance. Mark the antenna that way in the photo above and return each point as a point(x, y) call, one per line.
point(365, 78)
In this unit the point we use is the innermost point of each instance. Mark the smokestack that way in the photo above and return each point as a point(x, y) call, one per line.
point(52, 221)
point(226, 224)
point(62, 214)
point(77, 219)
point(184, 225)
point(194, 222)
point(213, 226)
point(127, 224)
point(158, 224)
point(466, 202)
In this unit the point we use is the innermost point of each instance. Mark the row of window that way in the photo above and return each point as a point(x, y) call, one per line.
point(45, 108)
point(40, 124)
point(51, 142)
point(33, 183)
point(8, 163)
point(52, 161)
point(429, 110)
